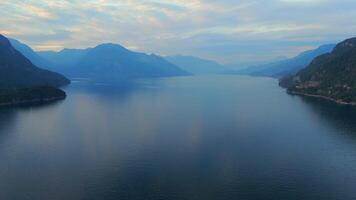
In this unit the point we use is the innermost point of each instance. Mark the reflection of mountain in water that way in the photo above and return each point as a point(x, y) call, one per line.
point(106, 92)
point(6, 120)
point(8, 114)
point(342, 117)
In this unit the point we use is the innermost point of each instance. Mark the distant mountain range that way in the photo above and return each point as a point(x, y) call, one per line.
point(18, 71)
point(25, 50)
point(252, 64)
point(287, 67)
point(327, 71)
point(114, 62)
point(331, 75)
point(196, 65)
point(63, 60)
point(21, 82)
point(105, 62)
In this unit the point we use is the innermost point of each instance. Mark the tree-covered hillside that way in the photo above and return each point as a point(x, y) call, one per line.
point(331, 75)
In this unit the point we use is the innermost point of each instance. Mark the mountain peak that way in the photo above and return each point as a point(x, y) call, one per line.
point(110, 46)
point(4, 41)
point(349, 42)
point(345, 45)
point(17, 71)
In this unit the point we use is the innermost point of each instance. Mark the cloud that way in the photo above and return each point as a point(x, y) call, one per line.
point(226, 30)
point(310, 2)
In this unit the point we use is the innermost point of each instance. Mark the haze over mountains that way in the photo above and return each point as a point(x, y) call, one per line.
point(64, 59)
point(196, 65)
point(105, 62)
point(287, 67)
point(318, 72)
point(113, 62)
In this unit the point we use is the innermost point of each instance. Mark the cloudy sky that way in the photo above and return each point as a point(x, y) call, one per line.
point(224, 30)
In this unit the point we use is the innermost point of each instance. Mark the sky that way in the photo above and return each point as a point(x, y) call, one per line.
point(229, 31)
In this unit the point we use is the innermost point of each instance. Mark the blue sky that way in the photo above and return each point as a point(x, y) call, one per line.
point(224, 30)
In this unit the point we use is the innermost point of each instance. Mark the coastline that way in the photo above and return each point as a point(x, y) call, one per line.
point(338, 101)
point(30, 96)
point(32, 101)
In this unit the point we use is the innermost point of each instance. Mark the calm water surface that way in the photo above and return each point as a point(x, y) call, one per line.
point(214, 137)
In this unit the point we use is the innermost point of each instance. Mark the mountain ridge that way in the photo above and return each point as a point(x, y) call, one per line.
point(23, 83)
point(331, 75)
point(114, 62)
point(287, 67)
point(72, 63)
point(195, 65)
point(18, 71)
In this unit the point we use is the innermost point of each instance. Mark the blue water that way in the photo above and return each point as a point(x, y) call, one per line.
point(208, 137)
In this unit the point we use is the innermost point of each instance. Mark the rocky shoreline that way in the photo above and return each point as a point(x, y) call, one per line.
point(338, 101)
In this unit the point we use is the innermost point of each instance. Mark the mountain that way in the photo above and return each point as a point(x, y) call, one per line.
point(17, 71)
point(55, 61)
point(21, 82)
point(196, 65)
point(330, 75)
point(112, 62)
point(65, 59)
point(287, 67)
point(30, 54)
point(244, 65)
